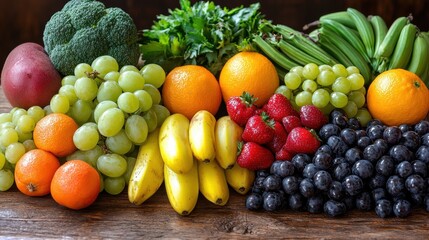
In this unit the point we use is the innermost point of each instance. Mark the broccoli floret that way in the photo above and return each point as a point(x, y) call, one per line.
point(84, 30)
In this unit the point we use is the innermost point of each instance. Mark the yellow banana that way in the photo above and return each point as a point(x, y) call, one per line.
point(213, 184)
point(182, 189)
point(148, 172)
point(202, 136)
point(240, 179)
point(174, 143)
point(227, 136)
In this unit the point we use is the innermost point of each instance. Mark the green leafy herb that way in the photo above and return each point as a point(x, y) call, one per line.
point(204, 34)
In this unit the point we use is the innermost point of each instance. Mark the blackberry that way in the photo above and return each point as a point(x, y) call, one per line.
point(402, 208)
point(392, 135)
point(383, 208)
point(334, 208)
point(363, 168)
point(254, 201)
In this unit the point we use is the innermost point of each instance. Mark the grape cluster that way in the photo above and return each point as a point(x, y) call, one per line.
point(326, 87)
point(377, 167)
point(115, 108)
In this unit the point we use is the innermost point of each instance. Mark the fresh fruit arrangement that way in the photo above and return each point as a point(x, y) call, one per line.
point(325, 121)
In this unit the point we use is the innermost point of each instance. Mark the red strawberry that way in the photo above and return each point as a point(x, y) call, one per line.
point(254, 156)
point(312, 117)
point(302, 140)
point(259, 129)
point(283, 154)
point(291, 122)
point(241, 108)
point(278, 107)
point(279, 139)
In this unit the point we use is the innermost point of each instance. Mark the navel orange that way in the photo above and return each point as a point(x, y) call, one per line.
point(251, 72)
point(397, 97)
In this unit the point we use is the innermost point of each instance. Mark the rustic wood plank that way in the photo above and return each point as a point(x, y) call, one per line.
point(115, 217)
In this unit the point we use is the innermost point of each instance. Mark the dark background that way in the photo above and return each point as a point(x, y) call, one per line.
point(24, 20)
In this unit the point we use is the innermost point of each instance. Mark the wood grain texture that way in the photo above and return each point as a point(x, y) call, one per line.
point(114, 217)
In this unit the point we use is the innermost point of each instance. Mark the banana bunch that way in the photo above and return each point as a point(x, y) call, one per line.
point(369, 44)
point(190, 157)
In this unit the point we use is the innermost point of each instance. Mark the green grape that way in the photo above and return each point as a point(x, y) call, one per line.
point(47, 109)
point(303, 98)
point(327, 109)
point(86, 88)
point(131, 81)
point(112, 76)
point(325, 67)
point(326, 78)
point(297, 70)
point(82, 70)
point(362, 90)
point(2, 160)
point(23, 136)
point(68, 91)
point(85, 137)
point(8, 136)
point(136, 129)
point(119, 143)
point(131, 162)
point(29, 145)
point(102, 107)
point(6, 179)
point(36, 112)
point(129, 68)
point(309, 85)
point(145, 100)
point(114, 186)
point(282, 89)
point(5, 117)
point(26, 123)
point(357, 97)
point(363, 116)
point(68, 80)
point(14, 152)
point(339, 99)
point(151, 119)
point(292, 80)
point(350, 109)
point(154, 93)
point(341, 84)
point(17, 114)
point(111, 122)
point(352, 69)
point(105, 64)
point(320, 98)
point(112, 165)
point(81, 111)
point(7, 125)
point(109, 90)
point(153, 74)
point(128, 102)
point(101, 181)
point(161, 113)
point(60, 104)
point(310, 71)
point(340, 70)
point(93, 154)
point(356, 81)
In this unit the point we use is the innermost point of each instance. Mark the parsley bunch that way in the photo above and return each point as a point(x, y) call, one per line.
point(203, 34)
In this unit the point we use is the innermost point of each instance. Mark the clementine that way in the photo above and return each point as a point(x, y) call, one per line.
point(75, 184)
point(190, 88)
point(397, 97)
point(54, 133)
point(34, 172)
point(251, 72)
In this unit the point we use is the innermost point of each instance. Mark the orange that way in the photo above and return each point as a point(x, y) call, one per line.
point(398, 97)
point(34, 172)
point(75, 185)
point(190, 88)
point(251, 72)
point(54, 133)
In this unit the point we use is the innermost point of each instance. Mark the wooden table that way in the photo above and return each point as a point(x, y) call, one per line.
point(115, 217)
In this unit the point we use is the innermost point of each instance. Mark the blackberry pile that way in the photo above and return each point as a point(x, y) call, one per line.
point(374, 168)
